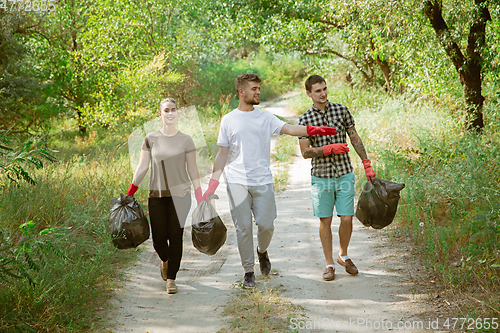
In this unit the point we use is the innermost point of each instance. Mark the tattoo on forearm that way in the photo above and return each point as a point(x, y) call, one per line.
point(357, 143)
point(360, 149)
point(313, 152)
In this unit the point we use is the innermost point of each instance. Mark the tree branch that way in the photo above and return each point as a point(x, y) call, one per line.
point(432, 8)
point(27, 30)
point(477, 33)
point(340, 55)
point(331, 24)
point(151, 27)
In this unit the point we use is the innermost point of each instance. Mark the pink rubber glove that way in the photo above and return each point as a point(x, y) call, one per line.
point(131, 190)
point(337, 148)
point(368, 169)
point(212, 186)
point(321, 130)
point(198, 195)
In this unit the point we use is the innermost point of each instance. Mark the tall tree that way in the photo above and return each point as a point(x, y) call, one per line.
point(107, 58)
point(468, 64)
point(23, 92)
point(85, 46)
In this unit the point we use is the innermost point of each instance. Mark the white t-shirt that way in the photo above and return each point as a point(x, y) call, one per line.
point(248, 136)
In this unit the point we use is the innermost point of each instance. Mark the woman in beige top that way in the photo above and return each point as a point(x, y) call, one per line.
point(172, 156)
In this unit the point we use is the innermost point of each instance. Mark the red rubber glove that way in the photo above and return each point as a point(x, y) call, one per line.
point(368, 169)
point(198, 195)
point(131, 190)
point(321, 130)
point(337, 148)
point(212, 186)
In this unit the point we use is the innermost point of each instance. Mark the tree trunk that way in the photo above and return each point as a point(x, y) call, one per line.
point(386, 71)
point(384, 67)
point(471, 82)
point(369, 63)
point(79, 102)
point(468, 66)
point(81, 127)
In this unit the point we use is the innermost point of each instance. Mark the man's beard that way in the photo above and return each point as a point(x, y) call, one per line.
point(251, 101)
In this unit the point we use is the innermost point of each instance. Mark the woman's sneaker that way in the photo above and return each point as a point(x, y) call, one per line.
point(249, 280)
point(171, 287)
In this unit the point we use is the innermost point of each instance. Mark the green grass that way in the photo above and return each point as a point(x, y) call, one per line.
point(259, 311)
point(451, 203)
point(286, 147)
point(280, 177)
point(74, 276)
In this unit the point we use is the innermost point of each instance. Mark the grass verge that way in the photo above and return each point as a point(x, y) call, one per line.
point(260, 311)
point(55, 237)
point(451, 204)
point(285, 148)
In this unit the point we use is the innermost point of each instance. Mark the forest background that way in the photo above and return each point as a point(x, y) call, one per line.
point(422, 79)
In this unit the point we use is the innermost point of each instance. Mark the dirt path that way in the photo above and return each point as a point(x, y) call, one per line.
point(380, 294)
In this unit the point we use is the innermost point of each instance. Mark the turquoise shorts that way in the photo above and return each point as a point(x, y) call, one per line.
point(328, 193)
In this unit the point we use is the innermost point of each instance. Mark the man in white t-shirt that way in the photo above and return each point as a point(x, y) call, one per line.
point(246, 133)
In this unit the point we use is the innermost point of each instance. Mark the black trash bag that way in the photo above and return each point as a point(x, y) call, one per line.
point(128, 225)
point(208, 231)
point(378, 203)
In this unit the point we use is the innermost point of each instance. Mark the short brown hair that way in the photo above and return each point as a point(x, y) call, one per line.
point(167, 100)
point(242, 80)
point(313, 79)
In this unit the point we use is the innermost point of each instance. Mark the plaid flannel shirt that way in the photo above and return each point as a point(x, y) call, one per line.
point(339, 117)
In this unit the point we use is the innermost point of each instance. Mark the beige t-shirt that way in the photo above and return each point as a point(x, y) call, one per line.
point(169, 175)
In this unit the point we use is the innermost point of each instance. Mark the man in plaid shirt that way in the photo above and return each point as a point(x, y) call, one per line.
point(332, 180)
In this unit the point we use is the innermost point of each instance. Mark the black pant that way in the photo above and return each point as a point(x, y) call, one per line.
point(167, 216)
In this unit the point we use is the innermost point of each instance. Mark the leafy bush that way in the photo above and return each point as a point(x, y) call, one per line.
point(14, 160)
